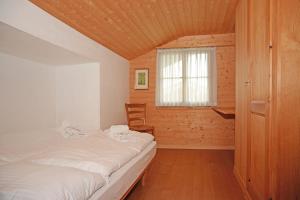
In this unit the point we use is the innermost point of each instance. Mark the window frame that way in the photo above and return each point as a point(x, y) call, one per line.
point(210, 77)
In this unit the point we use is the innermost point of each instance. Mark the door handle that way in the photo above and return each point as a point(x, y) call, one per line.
point(246, 83)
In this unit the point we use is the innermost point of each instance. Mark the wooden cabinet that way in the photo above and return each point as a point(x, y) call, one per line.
point(267, 156)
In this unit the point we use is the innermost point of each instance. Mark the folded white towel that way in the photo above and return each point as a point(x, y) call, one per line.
point(119, 129)
point(70, 131)
point(132, 139)
point(118, 132)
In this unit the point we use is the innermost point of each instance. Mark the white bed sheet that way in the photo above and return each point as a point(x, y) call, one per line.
point(121, 180)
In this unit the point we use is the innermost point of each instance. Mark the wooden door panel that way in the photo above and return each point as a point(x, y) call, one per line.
point(258, 120)
point(257, 171)
point(259, 49)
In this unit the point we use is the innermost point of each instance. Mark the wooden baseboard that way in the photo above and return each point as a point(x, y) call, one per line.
point(241, 184)
point(171, 146)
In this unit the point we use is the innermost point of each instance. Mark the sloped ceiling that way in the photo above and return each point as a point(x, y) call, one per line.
point(132, 27)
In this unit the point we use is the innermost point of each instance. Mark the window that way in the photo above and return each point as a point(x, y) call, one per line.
point(186, 77)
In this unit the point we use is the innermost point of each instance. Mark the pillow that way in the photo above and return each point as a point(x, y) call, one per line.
point(16, 146)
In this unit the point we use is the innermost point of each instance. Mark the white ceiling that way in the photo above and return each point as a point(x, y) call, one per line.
point(24, 45)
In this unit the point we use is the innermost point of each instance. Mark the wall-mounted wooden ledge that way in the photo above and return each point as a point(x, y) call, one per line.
point(226, 112)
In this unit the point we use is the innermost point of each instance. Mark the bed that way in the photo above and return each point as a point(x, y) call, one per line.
point(95, 166)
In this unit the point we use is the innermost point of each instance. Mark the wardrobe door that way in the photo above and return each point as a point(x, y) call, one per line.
point(242, 92)
point(258, 118)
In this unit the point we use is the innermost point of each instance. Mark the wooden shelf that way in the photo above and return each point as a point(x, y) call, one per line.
point(226, 112)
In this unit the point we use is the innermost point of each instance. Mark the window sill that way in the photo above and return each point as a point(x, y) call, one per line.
point(183, 107)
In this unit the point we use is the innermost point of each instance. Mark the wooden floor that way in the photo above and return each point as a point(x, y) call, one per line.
point(189, 175)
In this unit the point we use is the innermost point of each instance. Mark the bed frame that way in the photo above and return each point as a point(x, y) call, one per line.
point(142, 177)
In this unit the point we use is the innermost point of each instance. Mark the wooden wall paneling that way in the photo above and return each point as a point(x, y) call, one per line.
point(217, 40)
point(132, 28)
point(287, 97)
point(184, 127)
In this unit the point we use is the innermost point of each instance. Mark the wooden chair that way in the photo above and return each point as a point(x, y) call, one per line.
point(136, 118)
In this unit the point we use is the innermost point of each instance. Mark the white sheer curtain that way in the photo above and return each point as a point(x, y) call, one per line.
point(186, 77)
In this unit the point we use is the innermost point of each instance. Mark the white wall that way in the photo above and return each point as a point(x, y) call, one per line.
point(27, 17)
point(78, 95)
point(23, 45)
point(114, 94)
point(35, 96)
point(27, 99)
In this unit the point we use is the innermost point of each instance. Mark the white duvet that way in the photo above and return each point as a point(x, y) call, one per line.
point(70, 169)
point(96, 153)
point(26, 180)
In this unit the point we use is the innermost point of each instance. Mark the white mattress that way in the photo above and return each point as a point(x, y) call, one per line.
point(121, 180)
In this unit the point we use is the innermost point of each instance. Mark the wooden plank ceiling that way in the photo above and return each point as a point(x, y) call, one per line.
point(133, 27)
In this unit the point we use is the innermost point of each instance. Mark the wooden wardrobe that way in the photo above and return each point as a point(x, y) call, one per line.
point(267, 137)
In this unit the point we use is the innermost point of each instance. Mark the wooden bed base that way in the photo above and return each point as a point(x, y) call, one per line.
point(141, 177)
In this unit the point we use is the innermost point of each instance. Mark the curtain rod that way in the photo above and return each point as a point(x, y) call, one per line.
point(228, 45)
